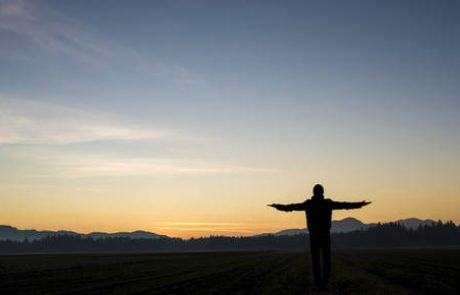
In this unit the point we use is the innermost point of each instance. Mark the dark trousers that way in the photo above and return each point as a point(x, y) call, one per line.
point(320, 243)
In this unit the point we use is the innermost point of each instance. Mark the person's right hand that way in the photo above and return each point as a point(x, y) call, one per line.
point(365, 203)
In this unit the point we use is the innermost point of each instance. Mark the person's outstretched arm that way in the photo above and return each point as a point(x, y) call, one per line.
point(289, 207)
point(348, 205)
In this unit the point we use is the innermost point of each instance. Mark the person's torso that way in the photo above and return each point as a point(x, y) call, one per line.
point(319, 214)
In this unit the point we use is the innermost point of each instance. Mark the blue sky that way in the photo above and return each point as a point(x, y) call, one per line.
point(361, 94)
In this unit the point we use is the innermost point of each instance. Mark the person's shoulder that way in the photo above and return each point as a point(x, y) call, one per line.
point(329, 201)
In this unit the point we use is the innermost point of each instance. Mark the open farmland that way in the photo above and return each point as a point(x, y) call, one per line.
point(354, 272)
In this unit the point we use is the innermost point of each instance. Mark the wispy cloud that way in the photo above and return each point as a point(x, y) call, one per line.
point(214, 227)
point(187, 223)
point(50, 32)
point(11, 8)
point(209, 229)
point(76, 165)
point(29, 122)
point(47, 136)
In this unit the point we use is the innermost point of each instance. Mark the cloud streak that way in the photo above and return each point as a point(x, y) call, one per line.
point(47, 136)
point(80, 165)
point(50, 32)
point(29, 122)
point(224, 227)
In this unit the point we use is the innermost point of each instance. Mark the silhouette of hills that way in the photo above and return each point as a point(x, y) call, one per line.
point(346, 225)
point(351, 224)
point(8, 232)
point(386, 235)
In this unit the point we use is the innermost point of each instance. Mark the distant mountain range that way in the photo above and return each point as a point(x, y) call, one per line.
point(11, 233)
point(352, 224)
point(338, 226)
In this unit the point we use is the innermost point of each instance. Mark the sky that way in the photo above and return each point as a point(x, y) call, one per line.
point(186, 118)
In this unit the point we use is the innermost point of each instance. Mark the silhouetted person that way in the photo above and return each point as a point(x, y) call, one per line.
point(319, 216)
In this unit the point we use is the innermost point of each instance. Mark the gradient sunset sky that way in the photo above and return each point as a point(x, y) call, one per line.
point(186, 118)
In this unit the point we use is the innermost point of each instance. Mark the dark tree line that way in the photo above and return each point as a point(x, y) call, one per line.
point(396, 235)
point(381, 235)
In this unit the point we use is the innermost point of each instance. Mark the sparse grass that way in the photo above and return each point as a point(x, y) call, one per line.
point(354, 272)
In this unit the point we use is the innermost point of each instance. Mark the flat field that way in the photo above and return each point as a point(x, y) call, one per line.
point(412, 271)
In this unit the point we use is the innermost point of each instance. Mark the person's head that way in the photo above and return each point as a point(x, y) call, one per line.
point(318, 190)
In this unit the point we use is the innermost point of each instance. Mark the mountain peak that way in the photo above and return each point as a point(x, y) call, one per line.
point(350, 219)
point(7, 227)
point(11, 233)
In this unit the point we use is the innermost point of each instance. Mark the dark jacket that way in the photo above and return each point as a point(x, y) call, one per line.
point(319, 211)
